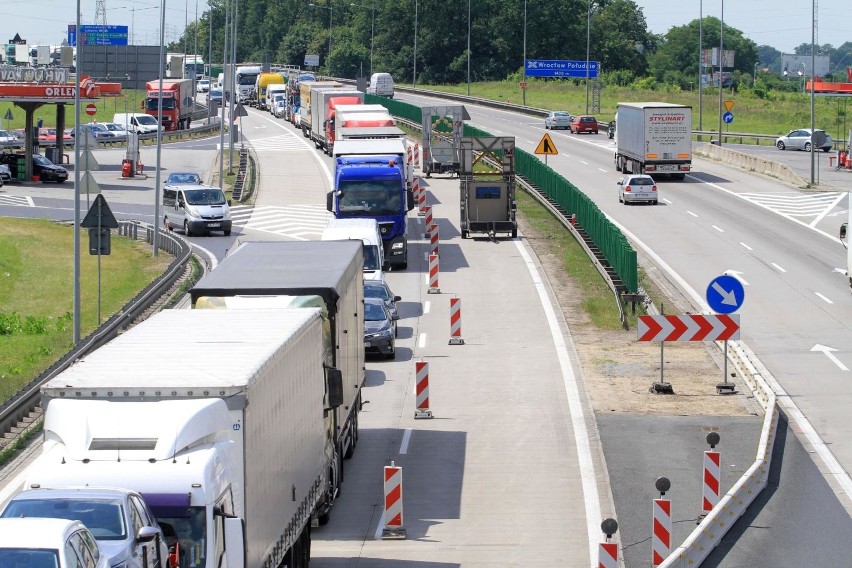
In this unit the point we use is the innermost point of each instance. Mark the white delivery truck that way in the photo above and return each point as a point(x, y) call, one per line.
point(315, 273)
point(367, 232)
point(324, 105)
point(381, 84)
point(216, 418)
point(844, 237)
point(653, 138)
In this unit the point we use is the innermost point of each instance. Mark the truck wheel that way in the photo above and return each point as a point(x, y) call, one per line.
point(465, 234)
point(515, 233)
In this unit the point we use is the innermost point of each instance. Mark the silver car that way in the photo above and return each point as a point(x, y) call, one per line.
point(801, 140)
point(378, 329)
point(637, 188)
point(557, 119)
point(5, 174)
point(380, 289)
point(119, 519)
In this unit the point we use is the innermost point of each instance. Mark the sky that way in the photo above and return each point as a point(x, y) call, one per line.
point(783, 24)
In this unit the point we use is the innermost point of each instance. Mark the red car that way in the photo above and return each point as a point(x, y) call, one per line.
point(584, 123)
point(47, 136)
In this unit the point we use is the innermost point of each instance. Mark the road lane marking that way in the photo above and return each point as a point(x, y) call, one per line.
point(426, 306)
point(421, 341)
point(667, 201)
point(584, 163)
point(827, 209)
point(718, 229)
point(406, 437)
point(601, 170)
point(778, 267)
point(693, 214)
point(827, 351)
point(745, 246)
point(588, 475)
point(821, 297)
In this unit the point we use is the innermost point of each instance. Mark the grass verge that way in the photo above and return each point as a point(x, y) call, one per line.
point(36, 292)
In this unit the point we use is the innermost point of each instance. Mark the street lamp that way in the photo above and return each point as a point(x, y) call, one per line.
point(414, 76)
point(468, 47)
point(372, 28)
point(330, 13)
point(524, 62)
point(588, 43)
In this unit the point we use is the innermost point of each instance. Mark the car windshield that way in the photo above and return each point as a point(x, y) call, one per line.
point(377, 292)
point(151, 104)
point(146, 119)
point(587, 119)
point(183, 178)
point(103, 517)
point(4, 134)
point(205, 197)
point(190, 529)
point(41, 160)
point(560, 114)
point(374, 312)
point(29, 557)
point(641, 181)
point(113, 127)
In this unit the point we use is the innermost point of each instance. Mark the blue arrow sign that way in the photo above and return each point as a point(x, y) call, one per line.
point(725, 294)
point(728, 117)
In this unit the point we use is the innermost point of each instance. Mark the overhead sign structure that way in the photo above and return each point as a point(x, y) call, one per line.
point(557, 68)
point(546, 146)
point(97, 35)
point(692, 327)
point(725, 294)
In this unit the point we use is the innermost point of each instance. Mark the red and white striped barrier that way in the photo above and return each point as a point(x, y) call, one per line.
point(455, 322)
point(422, 388)
point(433, 274)
point(393, 527)
point(661, 541)
point(409, 155)
point(427, 212)
point(712, 478)
point(421, 197)
point(608, 555)
point(416, 155)
point(433, 239)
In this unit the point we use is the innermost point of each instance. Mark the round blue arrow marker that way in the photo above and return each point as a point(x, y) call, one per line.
point(728, 117)
point(725, 294)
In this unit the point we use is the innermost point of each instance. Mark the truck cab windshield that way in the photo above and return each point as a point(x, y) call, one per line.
point(204, 197)
point(373, 197)
point(151, 104)
point(187, 536)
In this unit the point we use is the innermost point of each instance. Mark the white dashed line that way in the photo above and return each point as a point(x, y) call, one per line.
point(406, 437)
point(777, 267)
point(601, 170)
point(718, 229)
point(745, 246)
point(691, 213)
point(584, 163)
point(421, 341)
point(427, 305)
point(821, 297)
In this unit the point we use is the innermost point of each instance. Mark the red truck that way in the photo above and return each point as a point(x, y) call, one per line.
point(177, 102)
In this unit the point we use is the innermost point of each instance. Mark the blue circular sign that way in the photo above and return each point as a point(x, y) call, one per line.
point(728, 117)
point(725, 294)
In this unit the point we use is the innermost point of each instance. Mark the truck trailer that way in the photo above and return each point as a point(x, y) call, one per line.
point(324, 105)
point(304, 103)
point(177, 98)
point(311, 273)
point(653, 138)
point(216, 418)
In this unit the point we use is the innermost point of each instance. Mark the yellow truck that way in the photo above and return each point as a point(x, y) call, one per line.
point(263, 81)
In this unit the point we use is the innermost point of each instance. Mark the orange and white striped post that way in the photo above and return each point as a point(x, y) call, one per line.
point(421, 197)
point(455, 322)
point(393, 527)
point(608, 555)
point(422, 388)
point(409, 155)
point(427, 212)
point(712, 477)
point(661, 541)
point(433, 275)
point(433, 239)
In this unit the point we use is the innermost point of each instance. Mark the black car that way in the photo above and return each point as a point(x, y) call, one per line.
point(380, 289)
point(42, 167)
point(378, 329)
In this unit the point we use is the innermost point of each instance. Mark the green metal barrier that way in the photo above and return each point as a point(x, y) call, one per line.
point(606, 236)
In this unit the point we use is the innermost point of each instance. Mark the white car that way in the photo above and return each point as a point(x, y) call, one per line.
point(202, 86)
point(58, 543)
point(5, 174)
point(637, 188)
point(800, 139)
point(118, 130)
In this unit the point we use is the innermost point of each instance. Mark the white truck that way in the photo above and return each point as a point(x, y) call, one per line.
point(844, 238)
point(381, 84)
point(653, 138)
point(246, 78)
point(324, 105)
point(309, 273)
point(216, 418)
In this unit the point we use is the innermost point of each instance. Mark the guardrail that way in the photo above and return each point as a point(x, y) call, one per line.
point(24, 401)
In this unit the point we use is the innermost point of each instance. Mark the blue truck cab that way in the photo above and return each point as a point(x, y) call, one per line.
point(374, 187)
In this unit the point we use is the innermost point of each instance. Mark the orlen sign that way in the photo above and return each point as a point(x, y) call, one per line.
point(25, 91)
point(12, 74)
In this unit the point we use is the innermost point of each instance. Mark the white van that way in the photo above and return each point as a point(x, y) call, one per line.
point(197, 209)
point(381, 84)
point(273, 90)
point(366, 231)
point(137, 122)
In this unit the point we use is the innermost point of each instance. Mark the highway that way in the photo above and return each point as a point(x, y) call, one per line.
point(500, 477)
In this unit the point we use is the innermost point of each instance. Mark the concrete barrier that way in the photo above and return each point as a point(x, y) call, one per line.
point(749, 163)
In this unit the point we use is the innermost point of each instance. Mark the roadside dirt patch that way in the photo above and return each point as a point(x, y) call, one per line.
point(619, 370)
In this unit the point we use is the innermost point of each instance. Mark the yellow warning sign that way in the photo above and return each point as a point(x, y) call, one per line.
point(729, 105)
point(546, 146)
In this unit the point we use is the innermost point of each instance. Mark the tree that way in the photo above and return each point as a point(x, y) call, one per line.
point(620, 36)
